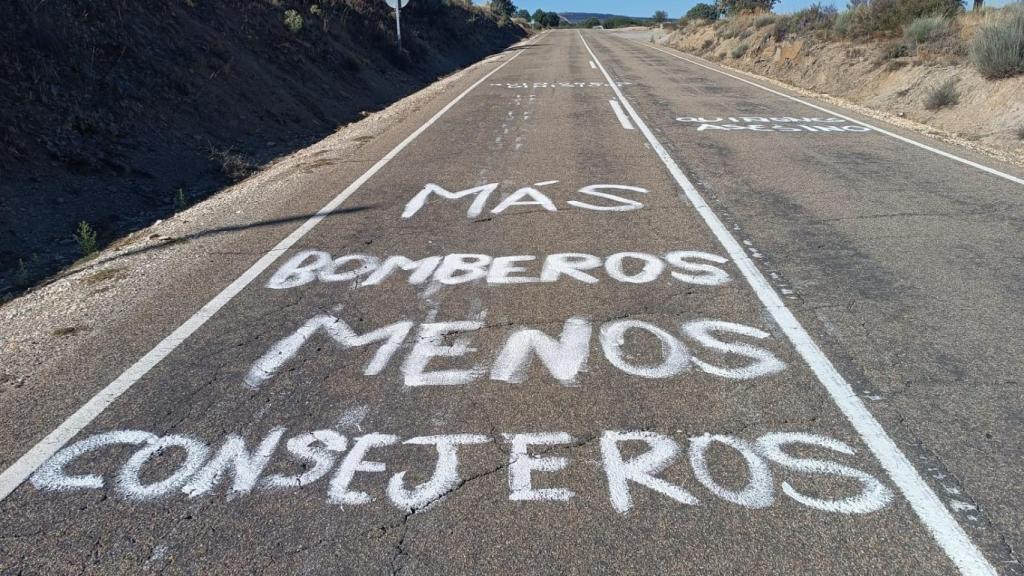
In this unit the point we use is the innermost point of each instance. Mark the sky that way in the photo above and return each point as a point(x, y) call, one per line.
point(675, 8)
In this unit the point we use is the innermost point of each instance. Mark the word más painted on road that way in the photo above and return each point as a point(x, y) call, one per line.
point(723, 350)
point(522, 85)
point(176, 464)
point(529, 196)
point(772, 124)
point(686, 266)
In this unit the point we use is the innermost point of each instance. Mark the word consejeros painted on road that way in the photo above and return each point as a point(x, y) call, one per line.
point(143, 466)
point(772, 124)
point(328, 457)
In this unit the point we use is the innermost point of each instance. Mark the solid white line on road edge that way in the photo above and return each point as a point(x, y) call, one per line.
point(928, 507)
point(592, 65)
point(623, 119)
point(973, 164)
point(18, 472)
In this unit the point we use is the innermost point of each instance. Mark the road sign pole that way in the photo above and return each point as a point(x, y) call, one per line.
point(398, 22)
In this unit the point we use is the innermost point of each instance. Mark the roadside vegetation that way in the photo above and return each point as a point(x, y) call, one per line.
point(990, 39)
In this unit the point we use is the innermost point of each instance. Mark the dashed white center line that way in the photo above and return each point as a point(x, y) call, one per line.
point(623, 119)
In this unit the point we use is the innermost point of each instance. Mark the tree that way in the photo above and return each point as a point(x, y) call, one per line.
point(538, 16)
point(551, 20)
point(503, 7)
point(590, 22)
point(524, 14)
point(738, 6)
point(660, 16)
point(702, 11)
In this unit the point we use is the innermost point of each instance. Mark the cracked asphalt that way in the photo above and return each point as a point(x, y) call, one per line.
point(478, 409)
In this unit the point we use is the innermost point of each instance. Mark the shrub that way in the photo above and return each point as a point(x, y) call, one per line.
point(293, 21)
point(890, 16)
point(944, 94)
point(233, 165)
point(85, 236)
point(997, 50)
point(727, 32)
point(925, 28)
point(739, 51)
point(764, 20)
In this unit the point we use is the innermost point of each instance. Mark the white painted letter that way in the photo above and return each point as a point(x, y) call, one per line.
point(564, 357)
point(571, 264)
point(482, 193)
point(651, 270)
point(302, 447)
point(765, 362)
point(235, 456)
point(676, 357)
point(539, 199)
point(296, 271)
point(697, 273)
point(421, 269)
point(640, 469)
point(624, 204)
point(353, 462)
point(874, 495)
point(51, 475)
point(459, 268)
point(446, 472)
point(759, 491)
point(130, 483)
point(429, 344)
point(521, 466)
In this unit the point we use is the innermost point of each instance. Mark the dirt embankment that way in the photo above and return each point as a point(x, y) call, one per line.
point(118, 113)
point(884, 74)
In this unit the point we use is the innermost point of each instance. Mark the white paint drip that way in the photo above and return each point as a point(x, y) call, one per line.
point(18, 472)
point(926, 504)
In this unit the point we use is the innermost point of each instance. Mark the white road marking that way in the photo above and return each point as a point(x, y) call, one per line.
point(592, 65)
point(942, 153)
point(623, 119)
point(18, 472)
point(926, 504)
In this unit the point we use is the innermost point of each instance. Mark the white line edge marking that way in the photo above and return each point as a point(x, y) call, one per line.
point(929, 508)
point(623, 119)
point(971, 163)
point(22, 468)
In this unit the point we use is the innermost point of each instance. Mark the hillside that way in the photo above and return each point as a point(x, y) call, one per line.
point(117, 113)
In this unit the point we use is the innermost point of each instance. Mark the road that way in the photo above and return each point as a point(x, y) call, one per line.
point(596, 308)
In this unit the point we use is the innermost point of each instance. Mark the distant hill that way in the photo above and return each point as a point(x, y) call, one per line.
point(576, 17)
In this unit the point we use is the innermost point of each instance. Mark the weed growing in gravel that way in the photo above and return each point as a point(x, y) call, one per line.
point(86, 238)
point(944, 94)
point(21, 274)
point(180, 202)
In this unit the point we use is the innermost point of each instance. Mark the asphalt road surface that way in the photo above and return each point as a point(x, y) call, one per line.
point(598, 308)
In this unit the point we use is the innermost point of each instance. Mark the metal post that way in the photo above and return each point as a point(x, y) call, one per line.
point(398, 21)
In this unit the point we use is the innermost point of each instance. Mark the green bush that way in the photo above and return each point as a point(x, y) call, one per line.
point(943, 95)
point(814, 17)
point(925, 28)
point(997, 50)
point(739, 51)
